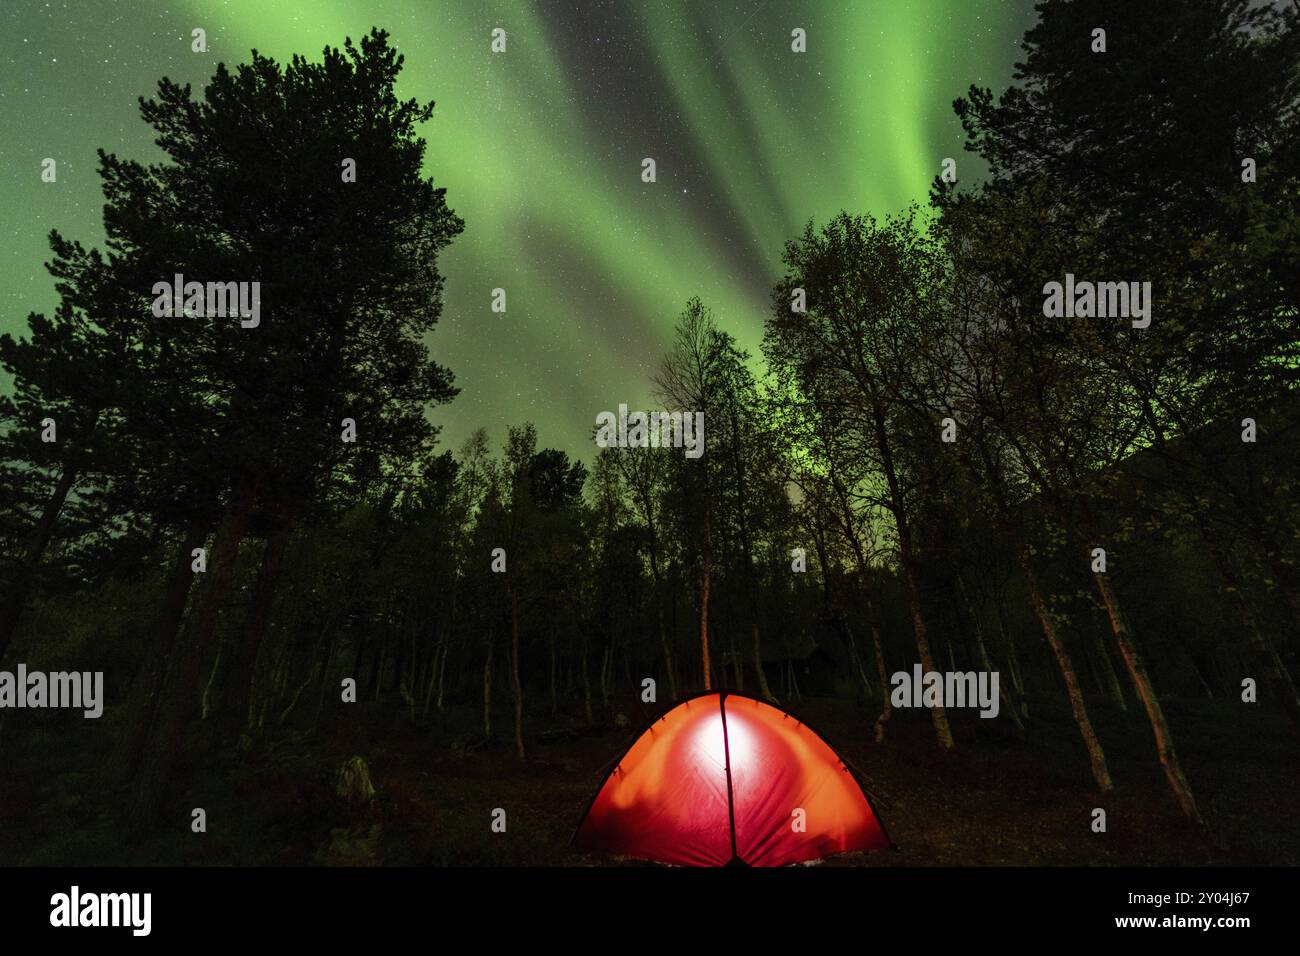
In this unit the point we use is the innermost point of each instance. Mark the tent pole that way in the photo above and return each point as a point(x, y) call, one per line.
point(726, 753)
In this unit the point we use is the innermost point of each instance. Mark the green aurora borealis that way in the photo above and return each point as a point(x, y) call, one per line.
point(540, 150)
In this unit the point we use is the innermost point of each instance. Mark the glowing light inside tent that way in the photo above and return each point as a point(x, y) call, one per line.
point(738, 739)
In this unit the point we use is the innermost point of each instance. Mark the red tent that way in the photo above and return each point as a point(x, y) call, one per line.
point(727, 779)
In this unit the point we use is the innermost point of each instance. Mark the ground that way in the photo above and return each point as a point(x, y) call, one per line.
point(997, 799)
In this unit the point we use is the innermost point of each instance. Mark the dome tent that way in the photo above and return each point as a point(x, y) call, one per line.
point(727, 779)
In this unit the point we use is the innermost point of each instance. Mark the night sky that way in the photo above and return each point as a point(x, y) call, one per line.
point(540, 150)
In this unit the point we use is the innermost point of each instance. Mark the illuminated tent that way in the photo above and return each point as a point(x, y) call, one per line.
point(726, 779)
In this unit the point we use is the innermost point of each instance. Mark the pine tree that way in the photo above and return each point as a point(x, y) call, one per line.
point(252, 190)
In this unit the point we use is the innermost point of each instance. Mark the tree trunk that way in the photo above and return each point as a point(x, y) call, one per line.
point(442, 677)
point(381, 661)
point(25, 581)
point(832, 609)
point(763, 689)
point(706, 571)
point(1009, 642)
point(431, 680)
point(586, 686)
point(872, 614)
point(181, 686)
point(487, 690)
point(1096, 756)
point(1284, 577)
point(606, 670)
point(846, 629)
point(555, 703)
point(1277, 679)
point(330, 646)
point(205, 703)
point(451, 634)
point(742, 495)
point(243, 666)
point(882, 673)
point(937, 714)
point(514, 674)
point(737, 662)
point(435, 669)
point(981, 650)
point(1107, 672)
point(659, 615)
point(146, 689)
point(1146, 693)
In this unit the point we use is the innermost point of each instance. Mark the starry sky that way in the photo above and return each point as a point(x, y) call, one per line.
point(540, 149)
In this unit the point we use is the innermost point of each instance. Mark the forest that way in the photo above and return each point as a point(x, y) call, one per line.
point(257, 536)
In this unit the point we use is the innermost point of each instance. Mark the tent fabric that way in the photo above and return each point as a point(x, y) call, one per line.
point(720, 779)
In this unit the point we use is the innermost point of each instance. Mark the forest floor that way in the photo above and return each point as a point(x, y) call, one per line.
point(998, 799)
